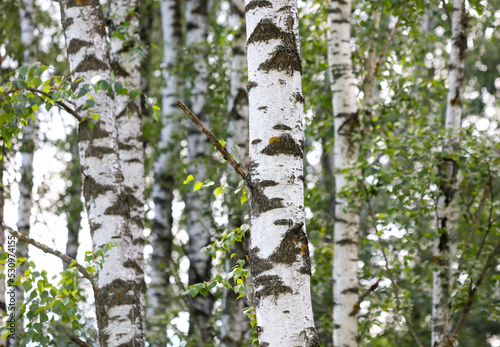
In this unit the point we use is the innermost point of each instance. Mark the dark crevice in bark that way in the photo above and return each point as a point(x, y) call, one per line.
point(284, 144)
point(256, 4)
point(270, 285)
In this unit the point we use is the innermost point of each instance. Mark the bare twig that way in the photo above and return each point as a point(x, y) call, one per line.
point(388, 43)
point(225, 154)
point(79, 342)
point(368, 291)
point(446, 11)
point(64, 257)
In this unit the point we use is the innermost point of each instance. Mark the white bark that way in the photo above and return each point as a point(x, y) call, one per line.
point(279, 254)
point(117, 296)
point(234, 323)
point(27, 152)
point(164, 170)
point(126, 64)
point(346, 152)
point(448, 173)
point(199, 155)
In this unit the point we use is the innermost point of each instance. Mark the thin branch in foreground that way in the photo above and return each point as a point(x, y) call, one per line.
point(58, 103)
point(368, 291)
point(79, 342)
point(225, 154)
point(64, 257)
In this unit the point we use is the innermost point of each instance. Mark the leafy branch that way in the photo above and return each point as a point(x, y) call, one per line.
point(64, 257)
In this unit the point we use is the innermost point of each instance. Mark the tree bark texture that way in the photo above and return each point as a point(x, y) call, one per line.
point(27, 153)
point(448, 173)
point(235, 324)
point(164, 169)
point(118, 293)
point(346, 152)
point(199, 155)
point(279, 253)
point(126, 64)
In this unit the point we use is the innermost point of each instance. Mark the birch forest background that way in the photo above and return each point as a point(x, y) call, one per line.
point(250, 173)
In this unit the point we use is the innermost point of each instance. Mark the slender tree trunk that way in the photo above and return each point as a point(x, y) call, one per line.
point(27, 152)
point(164, 170)
point(75, 207)
point(119, 307)
point(234, 323)
point(126, 64)
point(279, 253)
point(199, 154)
point(346, 152)
point(448, 173)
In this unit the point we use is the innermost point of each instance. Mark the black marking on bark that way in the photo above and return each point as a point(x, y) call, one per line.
point(270, 285)
point(282, 81)
point(259, 201)
point(281, 127)
point(301, 178)
point(344, 242)
point(285, 8)
point(336, 326)
point(256, 141)
point(91, 63)
point(92, 189)
point(287, 222)
point(262, 108)
point(285, 144)
point(119, 208)
point(256, 4)
point(264, 344)
point(98, 152)
point(286, 312)
point(75, 45)
point(285, 58)
point(311, 336)
point(352, 290)
point(291, 246)
point(350, 124)
point(298, 97)
point(251, 84)
point(117, 69)
point(265, 31)
point(258, 265)
point(241, 99)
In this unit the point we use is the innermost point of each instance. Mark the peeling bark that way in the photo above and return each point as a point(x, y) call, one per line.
point(199, 155)
point(346, 152)
point(164, 170)
point(448, 173)
point(279, 254)
point(119, 307)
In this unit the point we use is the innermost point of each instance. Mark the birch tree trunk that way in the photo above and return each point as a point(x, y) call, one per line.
point(126, 64)
point(119, 288)
point(279, 253)
point(234, 323)
point(199, 155)
point(75, 206)
point(164, 170)
point(346, 152)
point(448, 173)
point(27, 151)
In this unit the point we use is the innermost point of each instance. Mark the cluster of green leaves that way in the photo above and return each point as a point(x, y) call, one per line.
point(47, 302)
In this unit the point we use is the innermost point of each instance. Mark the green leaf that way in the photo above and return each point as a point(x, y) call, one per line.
point(243, 198)
point(222, 142)
point(27, 285)
point(193, 291)
point(188, 179)
point(23, 71)
point(197, 186)
point(218, 191)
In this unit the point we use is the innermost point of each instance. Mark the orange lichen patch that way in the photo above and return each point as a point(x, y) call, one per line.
point(82, 2)
point(118, 293)
point(303, 249)
point(274, 139)
point(435, 259)
point(355, 308)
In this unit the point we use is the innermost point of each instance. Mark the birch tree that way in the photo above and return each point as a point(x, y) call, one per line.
point(164, 168)
point(27, 152)
point(279, 253)
point(118, 293)
point(448, 174)
point(346, 152)
point(199, 221)
point(234, 323)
